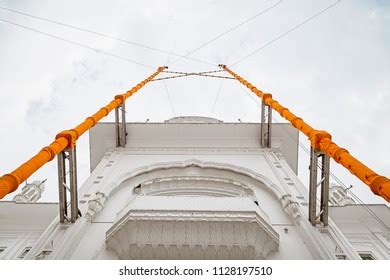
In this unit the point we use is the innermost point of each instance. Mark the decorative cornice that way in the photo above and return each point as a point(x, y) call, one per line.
point(193, 150)
point(192, 234)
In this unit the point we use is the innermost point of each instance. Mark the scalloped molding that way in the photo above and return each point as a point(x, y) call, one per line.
point(146, 234)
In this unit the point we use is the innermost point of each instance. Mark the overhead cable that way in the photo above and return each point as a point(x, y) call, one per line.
point(169, 98)
point(105, 35)
point(216, 97)
point(285, 33)
point(77, 44)
point(227, 32)
point(186, 74)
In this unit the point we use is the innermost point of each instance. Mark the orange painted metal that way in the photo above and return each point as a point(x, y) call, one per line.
point(322, 140)
point(64, 139)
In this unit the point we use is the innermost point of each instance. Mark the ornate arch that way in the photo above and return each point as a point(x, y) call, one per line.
point(289, 205)
point(138, 172)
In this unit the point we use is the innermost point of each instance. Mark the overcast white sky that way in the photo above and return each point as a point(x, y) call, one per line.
point(333, 72)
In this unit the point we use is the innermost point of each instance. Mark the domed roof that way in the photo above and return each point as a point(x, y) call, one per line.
point(193, 119)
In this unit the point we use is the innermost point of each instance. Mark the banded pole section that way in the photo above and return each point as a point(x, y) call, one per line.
point(322, 140)
point(65, 139)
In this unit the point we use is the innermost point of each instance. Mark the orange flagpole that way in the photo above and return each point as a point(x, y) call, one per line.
point(65, 139)
point(322, 140)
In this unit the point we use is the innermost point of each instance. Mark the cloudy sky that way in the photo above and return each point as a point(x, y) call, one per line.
point(333, 71)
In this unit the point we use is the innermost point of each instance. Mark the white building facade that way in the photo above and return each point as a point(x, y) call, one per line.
point(198, 188)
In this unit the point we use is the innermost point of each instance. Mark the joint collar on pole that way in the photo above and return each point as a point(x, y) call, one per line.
point(70, 135)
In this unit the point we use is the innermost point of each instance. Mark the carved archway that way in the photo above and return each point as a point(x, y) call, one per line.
point(228, 231)
point(139, 173)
